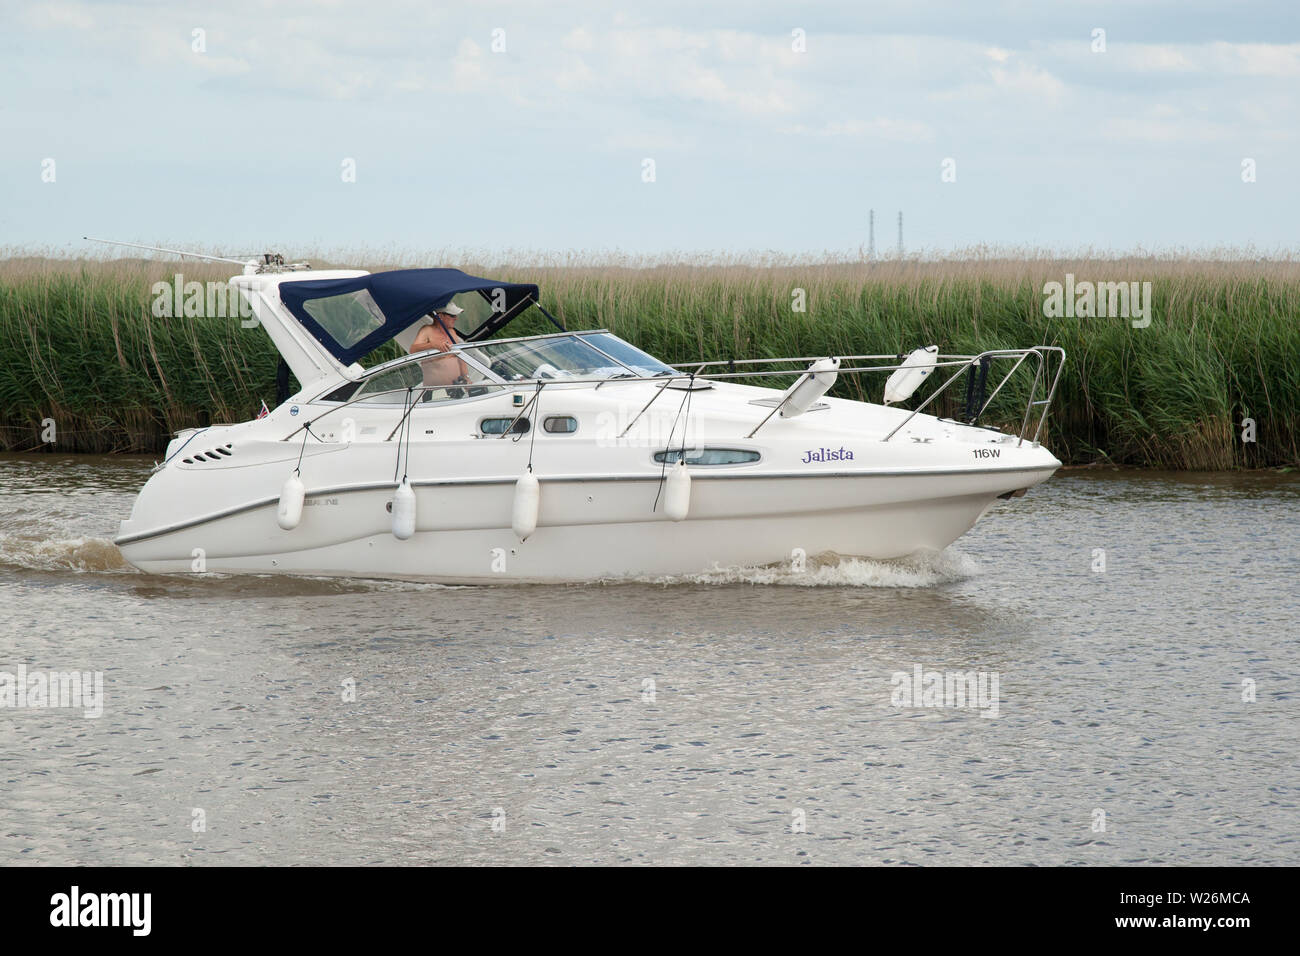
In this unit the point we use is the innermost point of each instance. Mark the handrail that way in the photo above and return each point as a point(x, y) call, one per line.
point(1038, 351)
point(1042, 353)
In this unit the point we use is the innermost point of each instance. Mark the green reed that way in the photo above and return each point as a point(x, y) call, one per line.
point(79, 344)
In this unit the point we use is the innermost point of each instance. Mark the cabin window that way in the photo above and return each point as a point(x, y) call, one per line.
point(498, 426)
point(440, 378)
point(560, 424)
point(709, 456)
point(348, 318)
point(390, 387)
point(342, 393)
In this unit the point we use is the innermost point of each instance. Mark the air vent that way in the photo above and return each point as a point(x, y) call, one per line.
point(213, 454)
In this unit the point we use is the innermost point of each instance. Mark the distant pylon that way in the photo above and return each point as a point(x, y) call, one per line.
point(900, 234)
point(871, 234)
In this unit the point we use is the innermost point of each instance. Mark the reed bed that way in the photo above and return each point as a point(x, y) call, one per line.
point(79, 344)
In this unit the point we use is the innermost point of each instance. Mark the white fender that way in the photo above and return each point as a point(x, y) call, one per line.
point(812, 385)
point(289, 511)
point(403, 511)
point(915, 369)
point(528, 500)
point(677, 491)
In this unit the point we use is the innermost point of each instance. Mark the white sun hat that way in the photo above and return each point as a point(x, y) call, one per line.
point(451, 308)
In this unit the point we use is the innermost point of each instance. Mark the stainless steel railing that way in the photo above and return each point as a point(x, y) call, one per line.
point(1046, 356)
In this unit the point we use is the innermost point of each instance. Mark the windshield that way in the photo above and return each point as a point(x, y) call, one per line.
point(580, 355)
point(560, 357)
point(629, 355)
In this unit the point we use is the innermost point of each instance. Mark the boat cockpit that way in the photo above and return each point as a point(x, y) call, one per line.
point(468, 370)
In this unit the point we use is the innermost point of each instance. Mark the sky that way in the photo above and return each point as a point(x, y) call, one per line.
point(546, 129)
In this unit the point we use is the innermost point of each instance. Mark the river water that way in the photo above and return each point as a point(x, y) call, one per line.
point(1146, 713)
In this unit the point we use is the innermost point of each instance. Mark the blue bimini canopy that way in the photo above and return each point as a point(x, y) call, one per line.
point(352, 317)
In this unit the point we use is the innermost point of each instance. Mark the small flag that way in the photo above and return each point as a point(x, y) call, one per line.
point(265, 411)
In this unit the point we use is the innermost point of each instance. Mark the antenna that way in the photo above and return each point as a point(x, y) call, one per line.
point(271, 261)
point(175, 252)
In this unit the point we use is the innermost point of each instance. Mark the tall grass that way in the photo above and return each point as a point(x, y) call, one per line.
point(78, 343)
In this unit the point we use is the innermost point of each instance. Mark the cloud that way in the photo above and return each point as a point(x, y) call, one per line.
point(880, 128)
point(54, 15)
point(1211, 59)
point(719, 90)
point(1025, 79)
point(1281, 61)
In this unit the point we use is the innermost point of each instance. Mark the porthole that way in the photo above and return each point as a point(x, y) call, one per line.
point(560, 424)
point(498, 426)
point(708, 456)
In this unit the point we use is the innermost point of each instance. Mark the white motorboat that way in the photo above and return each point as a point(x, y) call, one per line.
point(569, 456)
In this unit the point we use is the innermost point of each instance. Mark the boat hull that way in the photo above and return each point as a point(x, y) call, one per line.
point(590, 529)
